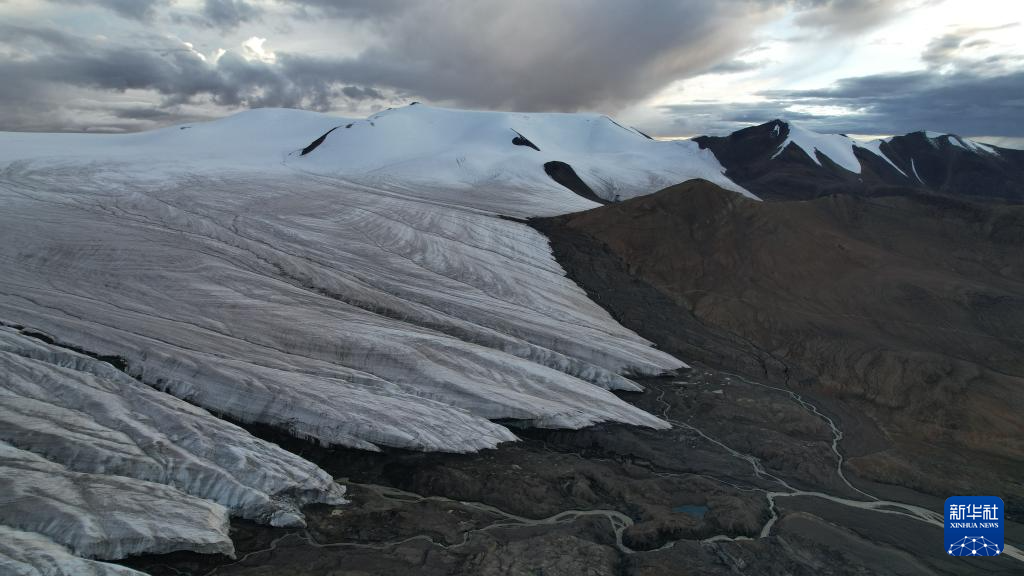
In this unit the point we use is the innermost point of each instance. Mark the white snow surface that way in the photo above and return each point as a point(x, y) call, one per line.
point(875, 146)
point(836, 147)
point(367, 294)
point(913, 168)
point(472, 152)
point(934, 138)
point(970, 145)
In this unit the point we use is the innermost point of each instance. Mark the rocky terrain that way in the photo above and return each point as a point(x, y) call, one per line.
point(905, 308)
point(611, 499)
point(780, 160)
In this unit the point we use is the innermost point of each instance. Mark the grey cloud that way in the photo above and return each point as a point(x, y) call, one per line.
point(147, 113)
point(362, 93)
point(718, 118)
point(965, 102)
point(940, 50)
point(735, 67)
point(948, 48)
point(133, 9)
point(225, 14)
point(174, 73)
point(347, 9)
point(536, 55)
point(567, 55)
point(845, 17)
point(527, 55)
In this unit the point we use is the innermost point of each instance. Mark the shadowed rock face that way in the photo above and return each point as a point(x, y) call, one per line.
point(564, 174)
point(521, 140)
point(316, 143)
point(908, 306)
point(924, 161)
point(943, 164)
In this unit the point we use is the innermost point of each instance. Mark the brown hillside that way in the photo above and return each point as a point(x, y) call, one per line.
point(909, 308)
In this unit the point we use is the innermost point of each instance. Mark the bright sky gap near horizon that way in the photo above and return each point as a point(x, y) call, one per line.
point(671, 68)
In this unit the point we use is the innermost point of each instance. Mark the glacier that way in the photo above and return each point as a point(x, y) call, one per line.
point(379, 290)
point(104, 515)
point(109, 467)
point(92, 418)
point(32, 554)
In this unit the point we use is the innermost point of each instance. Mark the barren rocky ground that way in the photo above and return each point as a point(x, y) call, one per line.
point(608, 500)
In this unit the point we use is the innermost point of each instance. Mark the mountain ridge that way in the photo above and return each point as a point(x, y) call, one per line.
point(782, 160)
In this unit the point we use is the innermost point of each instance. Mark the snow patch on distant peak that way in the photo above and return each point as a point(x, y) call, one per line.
point(934, 138)
point(916, 175)
point(971, 145)
point(836, 147)
point(875, 147)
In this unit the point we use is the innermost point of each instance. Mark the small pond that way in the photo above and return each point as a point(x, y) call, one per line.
point(693, 510)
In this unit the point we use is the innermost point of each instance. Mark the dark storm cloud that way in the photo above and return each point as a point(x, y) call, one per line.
point(534, 55)
point(526, 55)
point(133, 9)
point(529, 54)
point(171, 70)
point(717, 118)
point(963, 103)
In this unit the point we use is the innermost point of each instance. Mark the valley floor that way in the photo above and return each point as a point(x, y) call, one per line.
point(613, 499)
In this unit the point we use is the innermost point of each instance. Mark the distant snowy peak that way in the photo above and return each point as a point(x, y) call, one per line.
point(839, 148)
point(784, 160)
point(938, 138)
point(836, 147)
point(875, 147)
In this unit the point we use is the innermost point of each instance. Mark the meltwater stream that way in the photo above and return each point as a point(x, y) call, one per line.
point(874, 504)
point(619, 522)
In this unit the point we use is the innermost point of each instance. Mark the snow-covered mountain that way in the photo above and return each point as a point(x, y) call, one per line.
point(462, 150)
point(355, 282)
point(783, 160)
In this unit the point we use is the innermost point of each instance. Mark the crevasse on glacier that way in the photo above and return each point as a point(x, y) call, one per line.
point(97, 461)
point(32, 554)
point(365, 294)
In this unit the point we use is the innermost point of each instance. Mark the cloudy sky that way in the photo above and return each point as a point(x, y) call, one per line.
point(672, 68)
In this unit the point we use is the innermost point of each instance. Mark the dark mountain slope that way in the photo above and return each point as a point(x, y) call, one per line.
point(909, 308)
point(954, 165)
